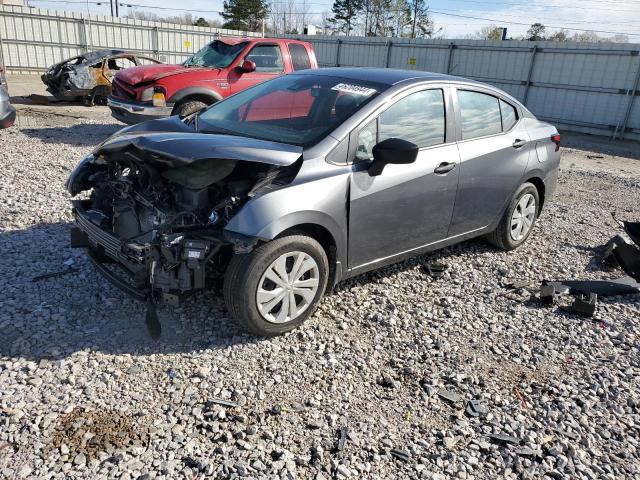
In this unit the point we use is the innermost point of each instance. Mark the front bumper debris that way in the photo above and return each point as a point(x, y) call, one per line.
point(134, 112)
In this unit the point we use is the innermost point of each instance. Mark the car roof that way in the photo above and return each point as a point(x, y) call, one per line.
point(98, 54)
point(388, 76)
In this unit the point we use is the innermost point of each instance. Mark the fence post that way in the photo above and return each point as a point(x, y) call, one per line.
point(388, 59)
point(84, 42)
point(2, 44)
point(155, 42)
point(634, 90)
point(338, 53)
point(450, 57)
point(528, 84)
point(62, 55)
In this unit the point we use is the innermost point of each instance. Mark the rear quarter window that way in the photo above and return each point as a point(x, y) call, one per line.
point(509, 115)
point(299, 57)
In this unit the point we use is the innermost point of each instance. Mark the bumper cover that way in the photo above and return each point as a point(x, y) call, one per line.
point(7, 117)
point(135, 112)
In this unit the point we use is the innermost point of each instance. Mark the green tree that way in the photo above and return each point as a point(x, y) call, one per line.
point(201, 22)
point(536, 32)
point(245, 15)
point(490, 32)
point(345, 13)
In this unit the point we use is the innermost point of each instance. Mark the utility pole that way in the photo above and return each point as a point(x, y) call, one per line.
point(111, 5)
point(117, 9)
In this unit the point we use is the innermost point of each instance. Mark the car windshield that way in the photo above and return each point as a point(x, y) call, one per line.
point(216, 54)
point(296, 109)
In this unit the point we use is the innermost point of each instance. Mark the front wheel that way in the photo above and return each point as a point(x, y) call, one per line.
point(276, 287)
point(189, 107)
point(518, 220)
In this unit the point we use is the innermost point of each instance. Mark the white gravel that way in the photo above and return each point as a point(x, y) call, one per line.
point(84, 393)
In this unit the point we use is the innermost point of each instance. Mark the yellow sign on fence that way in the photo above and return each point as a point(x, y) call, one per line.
point(412, 61)
point(187, 43)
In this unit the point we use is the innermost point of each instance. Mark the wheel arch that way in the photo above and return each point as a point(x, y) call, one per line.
point(540, 186)
point(201, 94)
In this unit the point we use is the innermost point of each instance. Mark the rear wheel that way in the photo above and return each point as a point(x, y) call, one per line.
point(277, 286)
point(518, 219)
point(189, 107)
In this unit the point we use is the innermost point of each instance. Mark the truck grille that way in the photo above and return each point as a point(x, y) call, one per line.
point(121, 90)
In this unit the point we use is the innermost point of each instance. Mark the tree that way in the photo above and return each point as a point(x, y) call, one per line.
point(201, 22)
point(344, 14)
point(490, 32)
point(421, 23)
point(536, 32)
point(245, 15)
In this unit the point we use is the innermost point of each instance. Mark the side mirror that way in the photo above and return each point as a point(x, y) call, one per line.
point(392, 150)
point(248, 66)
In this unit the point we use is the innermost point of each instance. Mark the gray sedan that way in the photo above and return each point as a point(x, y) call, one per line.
point(293, 185)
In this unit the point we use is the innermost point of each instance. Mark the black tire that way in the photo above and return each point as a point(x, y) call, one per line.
point(501, 236)
point(188, 107)
point(245, 271)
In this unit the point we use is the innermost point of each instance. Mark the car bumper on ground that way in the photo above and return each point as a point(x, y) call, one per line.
point(134, 112)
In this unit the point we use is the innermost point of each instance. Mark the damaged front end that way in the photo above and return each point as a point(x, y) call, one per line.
point(153, 220)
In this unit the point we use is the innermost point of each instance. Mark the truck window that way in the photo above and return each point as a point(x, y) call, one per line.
point(299, 57)
point(267, 58)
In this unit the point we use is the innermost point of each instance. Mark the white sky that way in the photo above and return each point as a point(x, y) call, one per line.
point(620, 16)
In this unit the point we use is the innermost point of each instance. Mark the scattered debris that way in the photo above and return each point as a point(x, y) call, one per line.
point(194, 464)
point(449, 396)
point(518, 284)
point(528, 452)
point(435, 269)
point(585, 305)
point(342, 438)
point(520, 397)
point(44, 276)
point(595, 156)
point(171, 373)
point(402, 455)
point(476, 408)
point(502, 438)
point(221, 401)
point(603, 288)
point(631, 228)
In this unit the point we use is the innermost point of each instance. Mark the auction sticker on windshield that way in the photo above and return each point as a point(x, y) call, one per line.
point(354, 89)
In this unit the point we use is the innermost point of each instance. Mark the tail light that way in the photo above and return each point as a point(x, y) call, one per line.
point(556, 139)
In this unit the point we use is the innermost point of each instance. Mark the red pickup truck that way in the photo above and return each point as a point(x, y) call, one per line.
point(222, 68)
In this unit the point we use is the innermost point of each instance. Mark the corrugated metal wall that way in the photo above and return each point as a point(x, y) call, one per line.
point(33, 39)
point(592, 87)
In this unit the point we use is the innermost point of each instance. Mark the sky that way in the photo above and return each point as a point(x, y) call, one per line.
point(451, 16)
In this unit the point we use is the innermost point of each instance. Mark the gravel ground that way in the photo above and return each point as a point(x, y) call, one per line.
point(393, 356)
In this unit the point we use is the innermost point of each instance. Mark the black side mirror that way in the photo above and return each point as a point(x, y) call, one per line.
point(392, 150)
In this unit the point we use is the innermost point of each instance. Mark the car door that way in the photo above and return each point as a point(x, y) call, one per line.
point(494, 152)
point(407, 206)
point(269, 64)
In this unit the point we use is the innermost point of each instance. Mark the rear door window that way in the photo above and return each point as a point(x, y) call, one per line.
point(268, 58)
point(299, 57)
point(480, 114)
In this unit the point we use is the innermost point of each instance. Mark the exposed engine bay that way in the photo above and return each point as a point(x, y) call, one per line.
point(165, 223)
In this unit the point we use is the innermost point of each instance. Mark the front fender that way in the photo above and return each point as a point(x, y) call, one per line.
point(191, 91)
point(320, 202)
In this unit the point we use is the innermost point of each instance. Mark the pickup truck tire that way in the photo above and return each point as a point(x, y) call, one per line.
point(188, 107)
point(248, 287)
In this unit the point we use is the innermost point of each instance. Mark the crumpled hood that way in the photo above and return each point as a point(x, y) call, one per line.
point(152, 73)
point(178, 144)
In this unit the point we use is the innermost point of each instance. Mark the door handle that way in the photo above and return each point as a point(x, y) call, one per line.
point(444, 167)
point(519, 143)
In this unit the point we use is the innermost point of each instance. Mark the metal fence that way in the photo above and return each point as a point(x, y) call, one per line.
point(32, 39)
point(583, 87)
point(587, 87)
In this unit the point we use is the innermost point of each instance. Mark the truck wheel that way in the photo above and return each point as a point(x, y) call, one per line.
point(276, 287)
point(518, 220)
point(188, 107)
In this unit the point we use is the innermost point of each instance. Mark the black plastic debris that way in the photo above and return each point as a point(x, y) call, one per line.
point(602, 288)
point(449, 396)
point(342, 438)
point(528, 452)
point(518, 284)
point(608, 258)
point(194, 464)
point(402, 455)
point(632, 228)
point(628, 257)
point(503, 439)
point(151, 321)
point(435, 269)
point(550, 291)
point(475, 408)
point(44, 276)
point(585, 305)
